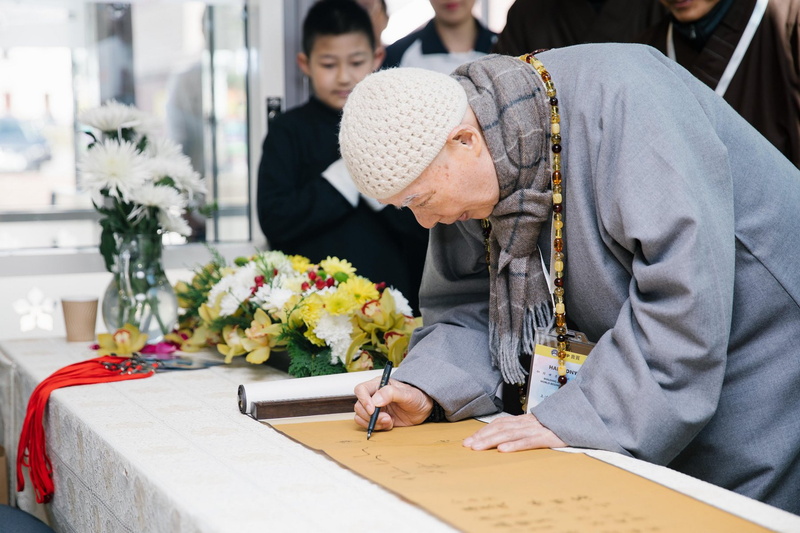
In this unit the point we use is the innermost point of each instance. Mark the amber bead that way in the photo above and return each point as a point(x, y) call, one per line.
point(557, 208)
point(561, 320)
point(561, 338)
point(561, 330)
point(559, 291)
point(558, 282)
point(556, 138)
point(553, 101)
point(545, 76)
point(556, 148)
point(562, 380)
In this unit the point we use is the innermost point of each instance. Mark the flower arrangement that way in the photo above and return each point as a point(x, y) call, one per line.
point(143, 186)
point(140, 183)
point(326, 317)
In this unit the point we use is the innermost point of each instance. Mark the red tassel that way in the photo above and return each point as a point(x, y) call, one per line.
point(31, 451)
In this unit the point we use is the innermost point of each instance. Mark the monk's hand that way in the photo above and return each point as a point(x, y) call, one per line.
point(513, 434)
point(401, 404)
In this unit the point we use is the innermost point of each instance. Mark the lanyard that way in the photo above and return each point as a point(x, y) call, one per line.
point(738, 53)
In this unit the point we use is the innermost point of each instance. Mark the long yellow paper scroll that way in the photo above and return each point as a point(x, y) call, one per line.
point(533, 491)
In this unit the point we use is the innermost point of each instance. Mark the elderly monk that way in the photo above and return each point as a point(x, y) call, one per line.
point(669, 226)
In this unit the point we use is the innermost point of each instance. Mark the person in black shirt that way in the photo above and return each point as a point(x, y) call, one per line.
point(307, 202)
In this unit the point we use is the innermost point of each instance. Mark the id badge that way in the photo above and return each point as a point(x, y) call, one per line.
point(544, 365)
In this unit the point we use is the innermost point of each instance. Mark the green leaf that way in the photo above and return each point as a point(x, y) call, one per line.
point(321, 364)
point(108, 245)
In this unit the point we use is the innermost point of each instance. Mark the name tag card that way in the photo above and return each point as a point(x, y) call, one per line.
point(544, 365)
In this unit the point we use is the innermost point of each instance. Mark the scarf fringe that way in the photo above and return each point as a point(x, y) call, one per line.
point(507, 349)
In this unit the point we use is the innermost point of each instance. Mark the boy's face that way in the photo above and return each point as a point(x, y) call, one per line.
point(336, 64)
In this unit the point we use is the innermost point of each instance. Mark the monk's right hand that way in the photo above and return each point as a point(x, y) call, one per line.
point(401, 404)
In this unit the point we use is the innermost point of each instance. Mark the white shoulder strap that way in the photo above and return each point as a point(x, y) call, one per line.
point(738, 53)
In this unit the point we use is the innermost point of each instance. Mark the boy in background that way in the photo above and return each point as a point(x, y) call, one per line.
point(307, 202)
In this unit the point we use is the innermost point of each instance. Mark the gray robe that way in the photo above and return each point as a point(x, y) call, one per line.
point(682, 263)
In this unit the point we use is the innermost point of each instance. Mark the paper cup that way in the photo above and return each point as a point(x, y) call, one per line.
point(80, 317)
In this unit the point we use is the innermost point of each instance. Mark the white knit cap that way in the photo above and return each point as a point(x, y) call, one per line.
point(394, 124)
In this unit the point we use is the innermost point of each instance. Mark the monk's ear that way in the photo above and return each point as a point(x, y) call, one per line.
point(466, 136)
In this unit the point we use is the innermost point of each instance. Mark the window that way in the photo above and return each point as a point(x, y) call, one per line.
point(185, 63)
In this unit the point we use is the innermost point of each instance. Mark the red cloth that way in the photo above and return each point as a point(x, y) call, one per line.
point(31, 451)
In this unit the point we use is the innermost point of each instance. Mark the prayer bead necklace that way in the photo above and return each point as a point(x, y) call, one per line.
point(558, 218)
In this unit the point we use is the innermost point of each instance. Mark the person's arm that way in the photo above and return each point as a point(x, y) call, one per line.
point(449, 356)
point(294, 200)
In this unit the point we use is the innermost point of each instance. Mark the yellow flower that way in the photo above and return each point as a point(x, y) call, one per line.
point(124, 342)
point(311, 309)
point(231, 345)
point(332, 265)
point(300, 264)
point(362, 361)
point(190, 340)
point(261, 337)
point(209, 312)
point(340, 302)
point(397, 345)
point(181, 288)
point(362, 289)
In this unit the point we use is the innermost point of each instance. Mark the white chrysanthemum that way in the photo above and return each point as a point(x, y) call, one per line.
point(279, 261)
point(174, 222)
point(400, 302)
point(235, 289)
point(291, 283)
point(335, 331)
point(272, 298)
point(112, 117)
point(160, 196)
point(162, 147)
point(179, 168)
point(117, 167)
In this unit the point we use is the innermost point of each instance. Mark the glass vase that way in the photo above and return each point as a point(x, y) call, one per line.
point(139, 293)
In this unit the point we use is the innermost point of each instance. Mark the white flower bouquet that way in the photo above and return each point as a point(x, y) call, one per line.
point(140, 183)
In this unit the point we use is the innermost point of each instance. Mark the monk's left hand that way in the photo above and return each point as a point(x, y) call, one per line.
point(513, 434)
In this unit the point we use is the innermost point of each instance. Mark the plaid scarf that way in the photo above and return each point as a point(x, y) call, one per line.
point(509, 101)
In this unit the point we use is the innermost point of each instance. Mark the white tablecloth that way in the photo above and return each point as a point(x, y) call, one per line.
point(171, 453)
